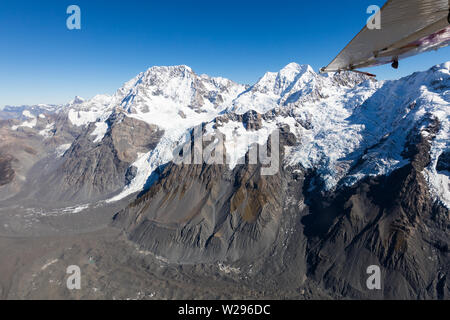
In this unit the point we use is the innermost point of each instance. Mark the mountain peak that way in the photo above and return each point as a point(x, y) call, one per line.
point(443, 67)
point(179, 70)
point(276, 81)
point(296, 68)
point(77, 100)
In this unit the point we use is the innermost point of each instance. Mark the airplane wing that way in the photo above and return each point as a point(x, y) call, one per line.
point(408, 27)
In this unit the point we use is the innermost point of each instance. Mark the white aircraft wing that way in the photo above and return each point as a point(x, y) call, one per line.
point(408, 27)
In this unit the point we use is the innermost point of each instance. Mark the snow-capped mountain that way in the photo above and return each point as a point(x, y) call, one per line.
point(363, 173)
point(347, 125)
point(363, 180)
point(294, 84)
point(340, 120)
point(172, 98)
point(163, 96)
point(176, 99)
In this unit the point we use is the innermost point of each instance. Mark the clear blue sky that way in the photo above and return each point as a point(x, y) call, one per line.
point(41, 61)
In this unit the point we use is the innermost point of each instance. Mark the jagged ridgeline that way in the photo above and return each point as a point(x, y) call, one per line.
point(362, 174)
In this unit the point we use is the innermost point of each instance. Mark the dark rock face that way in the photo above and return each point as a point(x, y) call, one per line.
point(251, 119)
point(282, 233)
point(206, 213)
point(389, 221)
point(350, 79)
point(130, 174)
point(6, 171)
point(444, 162)
point(384, 221)
point(95, 170)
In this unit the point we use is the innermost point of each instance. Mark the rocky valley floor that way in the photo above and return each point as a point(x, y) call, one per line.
point(34, 267)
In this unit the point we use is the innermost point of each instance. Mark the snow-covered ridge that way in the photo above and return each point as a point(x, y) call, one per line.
point(369, 124)
point(175, 99)
point(82, 112)
point(267, 93)
point(340, 120)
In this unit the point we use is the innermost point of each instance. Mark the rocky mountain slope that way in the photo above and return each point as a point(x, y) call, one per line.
point(362, 174)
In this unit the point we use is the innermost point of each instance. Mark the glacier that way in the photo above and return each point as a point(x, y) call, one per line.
point(339, 119)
